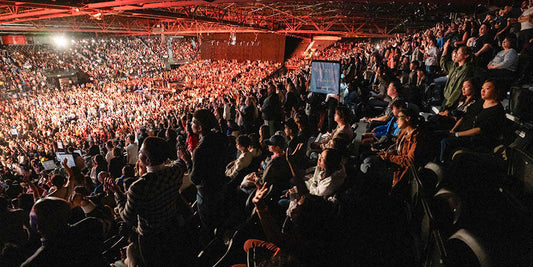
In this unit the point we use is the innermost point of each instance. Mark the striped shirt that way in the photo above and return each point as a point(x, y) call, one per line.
point(152, 202)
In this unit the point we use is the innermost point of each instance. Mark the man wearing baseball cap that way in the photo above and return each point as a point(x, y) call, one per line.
point(277, 171)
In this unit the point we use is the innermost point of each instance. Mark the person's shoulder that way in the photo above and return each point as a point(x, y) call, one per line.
point(140, 183)
point(499, 108)
point(478, 105)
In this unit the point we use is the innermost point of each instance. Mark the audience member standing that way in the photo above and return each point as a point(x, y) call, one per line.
point(208, 168)
point(132, 150)
point(458, 70)
point(152, 205)
point(271, 110)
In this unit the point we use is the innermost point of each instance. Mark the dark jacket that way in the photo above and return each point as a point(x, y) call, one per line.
point(209, 162)
point(271, 108)
point(115, 166)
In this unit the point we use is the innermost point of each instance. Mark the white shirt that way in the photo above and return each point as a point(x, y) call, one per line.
point(132, 152)
point(322, 186)
point(431, 60)
point(109, 156)
point(240, 163)
point(527, 24)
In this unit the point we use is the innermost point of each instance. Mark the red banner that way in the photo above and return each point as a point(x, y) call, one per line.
point(12, 40)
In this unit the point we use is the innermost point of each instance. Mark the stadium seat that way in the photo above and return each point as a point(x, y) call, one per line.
point(465, 249)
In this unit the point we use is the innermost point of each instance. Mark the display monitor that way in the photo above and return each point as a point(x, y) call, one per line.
point(325, 77)
point(69, 157)
point(49, 165)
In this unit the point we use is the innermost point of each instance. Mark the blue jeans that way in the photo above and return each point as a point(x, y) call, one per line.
point(447, 145)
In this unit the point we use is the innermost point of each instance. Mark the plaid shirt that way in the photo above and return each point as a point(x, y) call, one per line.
point(152, 202)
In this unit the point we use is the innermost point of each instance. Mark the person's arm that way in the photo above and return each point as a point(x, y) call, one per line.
point(509, 59)
point(296, 173)
point(503, 30)
point(456, 125)
point(463, 41)
point(128, 205)
point(524, 18)
point(184, 157)
point(446, 62)
point(70, 175)
point(470, 41)
point(35, 190)
point(325, 187)
point(271, 229)
point(445, 113)
point(483, 49)
point(470, 132)
point(199, 168)
point(380, 118)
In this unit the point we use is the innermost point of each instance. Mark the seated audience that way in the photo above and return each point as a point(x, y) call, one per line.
point(505, 63)
point(480, 126)
point(403, 155)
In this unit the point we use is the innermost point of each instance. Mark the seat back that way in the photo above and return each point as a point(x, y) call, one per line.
point(521, 103)
point(519, 183)
point(465, 249)
point(447, 207)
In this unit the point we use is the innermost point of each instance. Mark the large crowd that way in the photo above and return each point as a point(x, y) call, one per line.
point(114, 171)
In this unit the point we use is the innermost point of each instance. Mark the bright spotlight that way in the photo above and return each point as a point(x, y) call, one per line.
point(60, 41)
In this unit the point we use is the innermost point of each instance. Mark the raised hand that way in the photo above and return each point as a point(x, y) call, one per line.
point(260, 193)
point(110, 185)
point(183, 154)
point(64, 163)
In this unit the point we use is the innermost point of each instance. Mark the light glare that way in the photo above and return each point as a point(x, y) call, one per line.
point(60, 41)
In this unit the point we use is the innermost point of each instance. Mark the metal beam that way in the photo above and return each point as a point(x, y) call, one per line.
point(33, 14)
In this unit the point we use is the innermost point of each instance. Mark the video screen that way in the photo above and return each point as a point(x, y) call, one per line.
point(69, 157)
point(49, 165)
point(325, 77)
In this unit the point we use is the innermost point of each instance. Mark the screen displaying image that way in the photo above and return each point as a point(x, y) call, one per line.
point(69, 157)
point(49, 165)
point(325, 77)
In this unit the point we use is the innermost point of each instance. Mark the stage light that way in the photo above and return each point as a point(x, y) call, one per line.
point(60, 41)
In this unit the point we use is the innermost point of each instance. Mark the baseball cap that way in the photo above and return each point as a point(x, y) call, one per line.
point(276, 140)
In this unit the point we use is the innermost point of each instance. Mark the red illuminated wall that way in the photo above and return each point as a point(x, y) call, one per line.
point(248, 46)
point(11, 39)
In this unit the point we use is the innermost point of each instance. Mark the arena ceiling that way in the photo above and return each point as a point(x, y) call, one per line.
point(300, 18)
